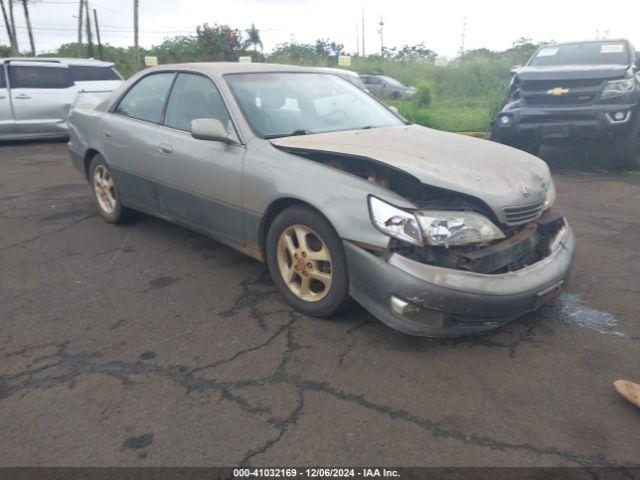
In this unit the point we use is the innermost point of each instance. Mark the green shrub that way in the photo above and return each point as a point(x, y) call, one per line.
point(422, 97)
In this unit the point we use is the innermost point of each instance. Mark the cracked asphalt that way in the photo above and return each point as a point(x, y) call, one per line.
point(148, 344)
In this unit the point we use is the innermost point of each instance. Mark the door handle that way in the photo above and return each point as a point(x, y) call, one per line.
point(22, 97)
point(106, 134)
point(165, 148)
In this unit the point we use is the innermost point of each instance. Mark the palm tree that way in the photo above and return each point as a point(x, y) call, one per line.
point(253, 38)
point(25, 6)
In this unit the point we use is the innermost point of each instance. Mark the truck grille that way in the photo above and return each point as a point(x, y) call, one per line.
point(519, 214)
point(569, 99)
point(578, 92)
point(549, 84)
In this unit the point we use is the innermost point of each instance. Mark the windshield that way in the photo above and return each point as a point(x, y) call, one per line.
point(281, 104)
point(588, 53)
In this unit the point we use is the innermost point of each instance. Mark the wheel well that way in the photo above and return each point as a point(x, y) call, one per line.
point(274, 210)
point(88, 156)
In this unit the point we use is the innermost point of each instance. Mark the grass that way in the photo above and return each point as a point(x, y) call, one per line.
point(450, 115)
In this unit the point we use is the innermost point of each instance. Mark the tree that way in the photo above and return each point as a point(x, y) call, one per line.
point(25, 6)
point(415, 52)
point(219, 43)
point(253, 38)
point(324, 48)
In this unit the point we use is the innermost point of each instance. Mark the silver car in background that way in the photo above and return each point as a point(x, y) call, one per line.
point(434, 233)
point(386, 87)
point(37, 94)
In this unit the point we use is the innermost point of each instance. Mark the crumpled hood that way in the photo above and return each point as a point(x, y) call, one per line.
point(572, 72)
point(499, 175)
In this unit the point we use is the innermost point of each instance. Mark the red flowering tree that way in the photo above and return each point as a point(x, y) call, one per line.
point(219, 42)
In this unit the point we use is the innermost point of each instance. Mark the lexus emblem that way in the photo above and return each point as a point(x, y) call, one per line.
point(524, 190)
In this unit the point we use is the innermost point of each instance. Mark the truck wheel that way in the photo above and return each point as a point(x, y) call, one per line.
point(626, 149)
point(307, 262)
point(105, 192)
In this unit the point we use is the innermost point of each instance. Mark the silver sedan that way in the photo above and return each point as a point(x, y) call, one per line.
point(434, 233)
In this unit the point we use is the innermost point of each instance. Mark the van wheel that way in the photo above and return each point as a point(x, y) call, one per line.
point(307, 262)
point(626, 149)
point(105, 191)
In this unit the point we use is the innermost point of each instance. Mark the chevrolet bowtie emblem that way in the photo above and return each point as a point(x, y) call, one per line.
point(558, 91)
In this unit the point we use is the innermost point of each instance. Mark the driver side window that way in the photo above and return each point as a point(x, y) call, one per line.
point(192, 97)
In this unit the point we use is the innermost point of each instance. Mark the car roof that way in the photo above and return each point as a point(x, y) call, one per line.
point(223, 68)
point(594, 40)
point(85, 62)
point(339, 71)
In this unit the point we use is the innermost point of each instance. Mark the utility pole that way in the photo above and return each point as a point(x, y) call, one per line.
point(136, 48)
point(380, 31)
point(357, 39)
point(88, 20)
point(95, 21)
point(14, 37)
point(9, 26)
point(363, 49)
point(464, 34)
point(80, 17)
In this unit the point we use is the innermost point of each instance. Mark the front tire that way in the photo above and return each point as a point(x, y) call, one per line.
point(105, 191)
point(307, 262)
point(626, 148)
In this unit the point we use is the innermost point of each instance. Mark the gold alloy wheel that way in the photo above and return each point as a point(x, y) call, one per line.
point(104, 189)
point(305, 263)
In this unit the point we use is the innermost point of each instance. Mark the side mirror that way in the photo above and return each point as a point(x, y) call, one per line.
point(393, 109)
point(209, 129)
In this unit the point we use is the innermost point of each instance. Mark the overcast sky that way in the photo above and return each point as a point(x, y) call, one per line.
point(491, 23)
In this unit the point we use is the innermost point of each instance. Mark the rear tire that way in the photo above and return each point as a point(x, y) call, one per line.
point(105, 192)
point(307, 262)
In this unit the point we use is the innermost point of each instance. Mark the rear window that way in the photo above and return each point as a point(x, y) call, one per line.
point(586, 53)
point(92, 74)
point(39, 77)
point(3, 82)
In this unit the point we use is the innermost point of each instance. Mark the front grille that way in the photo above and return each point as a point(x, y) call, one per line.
point(568, 99)
point(519, 214)
point(549, 84)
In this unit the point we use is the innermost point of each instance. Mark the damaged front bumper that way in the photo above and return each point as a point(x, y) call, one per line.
point(426, 300)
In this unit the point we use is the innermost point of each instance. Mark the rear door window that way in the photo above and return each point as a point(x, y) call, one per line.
point(21, 76)
point(3, 82)
point(146, 99)
point(81, 73)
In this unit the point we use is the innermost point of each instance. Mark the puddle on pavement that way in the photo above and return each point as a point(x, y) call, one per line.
point(569, 308)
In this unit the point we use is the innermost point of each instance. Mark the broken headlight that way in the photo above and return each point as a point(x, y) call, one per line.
point(451, 228)
point(395, 222)
point(551, 196)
